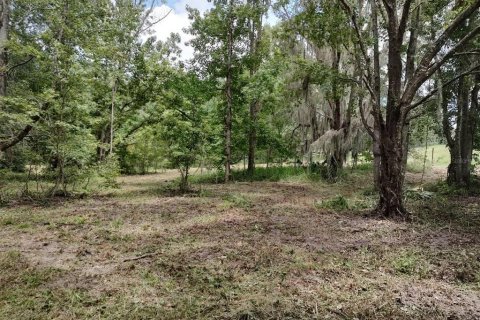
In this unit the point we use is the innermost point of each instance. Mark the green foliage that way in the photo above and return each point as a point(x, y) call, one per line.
point(109, 171)
point(144, 153)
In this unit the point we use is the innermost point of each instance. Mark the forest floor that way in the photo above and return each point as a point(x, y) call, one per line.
point(246, 250)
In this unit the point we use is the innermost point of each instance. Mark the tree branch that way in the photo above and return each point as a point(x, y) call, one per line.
point(18, 65)
point(365, 123)
point(433, 92)
point(17, 138)
point(358, 34)
point(404, 19)
point(424, 70)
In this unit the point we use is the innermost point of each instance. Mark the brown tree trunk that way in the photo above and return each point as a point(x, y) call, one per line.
point(392, 130)
point(391, 175)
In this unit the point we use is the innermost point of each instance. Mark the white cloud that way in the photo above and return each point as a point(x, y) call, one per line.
point(176, 21)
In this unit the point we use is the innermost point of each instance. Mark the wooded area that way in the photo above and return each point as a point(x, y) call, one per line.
point(313, 159)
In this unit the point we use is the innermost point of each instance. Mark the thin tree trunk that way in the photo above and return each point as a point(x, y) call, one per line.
point(255, 38)
point(229, 96)
point(252, 138)
point(377, 160)
point(4, 28)
point(425, 154)
point(112, 114)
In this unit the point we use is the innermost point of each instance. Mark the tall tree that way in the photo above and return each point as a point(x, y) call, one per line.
point(402, 92)
point(4, 26)
point(328, 82)
point(221, 39)
point(257, 11)
point(460, 105)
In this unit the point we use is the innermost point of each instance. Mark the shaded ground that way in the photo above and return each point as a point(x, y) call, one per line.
point(259, 250)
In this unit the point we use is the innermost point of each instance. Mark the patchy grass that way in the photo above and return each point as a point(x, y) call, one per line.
point(259, 249)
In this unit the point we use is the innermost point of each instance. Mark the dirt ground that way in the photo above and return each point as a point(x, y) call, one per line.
point(256, 250)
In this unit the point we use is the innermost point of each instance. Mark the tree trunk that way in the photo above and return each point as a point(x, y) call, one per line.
point(403, 86)
point(102, 138)
point(112, 113)
point(377, 158)
point(252, 138)
point(461, 146)
point(184, 180)
point(229, 97)
point(4, 24)
point(391, 173)
point(255, 36)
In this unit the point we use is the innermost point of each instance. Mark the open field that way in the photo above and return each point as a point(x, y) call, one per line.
point(247, 250)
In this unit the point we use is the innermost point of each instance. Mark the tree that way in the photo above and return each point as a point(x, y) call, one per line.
point(221, 37)
point(257, 50)
point(182, 127)
point(459, 101)
point(326, 81)
point(4, 26)
point(405, 81)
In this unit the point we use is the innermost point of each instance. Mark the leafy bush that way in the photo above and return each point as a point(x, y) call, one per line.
point(109, 171)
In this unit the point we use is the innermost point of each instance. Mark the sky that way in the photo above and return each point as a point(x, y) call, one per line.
point(177, 20)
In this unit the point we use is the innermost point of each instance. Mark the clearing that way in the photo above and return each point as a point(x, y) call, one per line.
point(247, 250)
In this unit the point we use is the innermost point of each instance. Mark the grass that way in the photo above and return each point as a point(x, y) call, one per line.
point(263, 249)
point(441, 155)
point(271, 174)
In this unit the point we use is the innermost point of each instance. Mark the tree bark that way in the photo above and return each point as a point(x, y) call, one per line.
point(392, 173)
point(4, 28)
point(461, 146)
point(337, 158)
point(402, 88)
point(229, 97)
point(377, 161)
point(255, 38)
point(112, 114)
point(252, 138)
